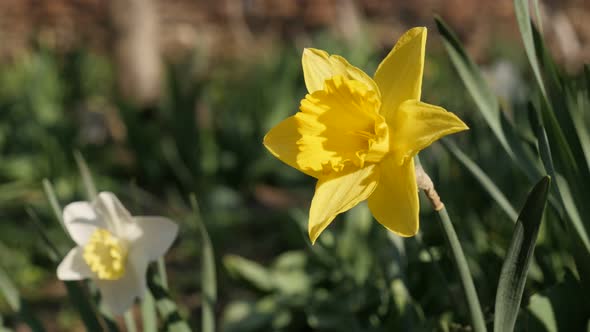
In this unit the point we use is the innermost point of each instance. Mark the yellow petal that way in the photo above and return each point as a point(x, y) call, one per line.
point(395, 201)
point(318, 66)
point(338, 128)
point(282, 140)
point(417, 125)
point(399, 76)
point(337, 194)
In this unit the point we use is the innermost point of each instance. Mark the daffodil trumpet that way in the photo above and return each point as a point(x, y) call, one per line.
point(113, 248)
point(358, 135)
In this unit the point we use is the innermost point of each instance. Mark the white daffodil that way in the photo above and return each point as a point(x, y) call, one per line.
point(113, 248)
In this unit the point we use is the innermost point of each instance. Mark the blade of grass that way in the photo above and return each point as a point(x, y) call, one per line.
point(172, 320)
point(477, 318)
point(518, 258)
point(482, 95)
point(538, 17)
point(52, 252)
point(581, 244)
point(208, 279)
point(557, 115)
point(523, 17)
point(53, 202)
point(89, 185)
point(426, 185)
point(544, 148)
point(162, 272)
point(17, 304)
point(148, 313)
point(561, 187)
point(81, 300)
point(582, 131)
point(482, 177)
point(130, 321)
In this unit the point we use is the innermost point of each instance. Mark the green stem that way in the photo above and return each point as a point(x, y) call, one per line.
point(162, 272)
point(130, 321)
point(461, 264)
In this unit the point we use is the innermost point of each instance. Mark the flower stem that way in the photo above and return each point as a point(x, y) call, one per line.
point(425, 183)
point(162, 272)
point(130, 321)
point(461, 265)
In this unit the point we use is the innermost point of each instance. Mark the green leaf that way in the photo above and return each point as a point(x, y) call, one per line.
point(521, 8)
point(130, 321)
point(83, 303)
point(557, 115)
point(89, 185)
point(54, 203)
point(9, 291)
point(565, 200)
point(544, 149)
point(487, 183)
point(559, 308)
point(172, 320)
point(477, 318)
point(482, 95)
point(52, 252)
point(581, 243)
point(251, 272)
point(581, 129)
point(243, 316)
point(486, 101)
point(518, 258)
point(290, 277)
point(148, 313)
point(538, 17)
point(208, 280)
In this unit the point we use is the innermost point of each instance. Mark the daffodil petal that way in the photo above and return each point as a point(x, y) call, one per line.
point(334, 195)
point(399, 76)
point(110, 207)
point(152, 236)
point(81, 221)
point(417, 125)
point(395, 201)
point(73, 266)
point(282, 140)
point(119, 295)
point(337, 127)
point(318, 66)
point(354, 73)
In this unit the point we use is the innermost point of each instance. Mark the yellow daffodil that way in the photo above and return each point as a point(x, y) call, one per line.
point(113, 248)
point(358, 135)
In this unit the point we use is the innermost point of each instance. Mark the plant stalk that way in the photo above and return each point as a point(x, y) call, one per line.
point(425, 183)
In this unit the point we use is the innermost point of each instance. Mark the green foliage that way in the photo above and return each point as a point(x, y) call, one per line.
point(518, 259)
point(558, 122)
point(205, 136)
point(209, 280)
point(313, 289)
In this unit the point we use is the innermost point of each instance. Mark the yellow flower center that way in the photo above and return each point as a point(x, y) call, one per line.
point(106, 255)
point(341, 128)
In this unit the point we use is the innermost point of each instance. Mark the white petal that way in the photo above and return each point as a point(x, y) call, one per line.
point(151, 237)
point(119, 295)
point(73, 266)
point(108, 206)
point(81, 221)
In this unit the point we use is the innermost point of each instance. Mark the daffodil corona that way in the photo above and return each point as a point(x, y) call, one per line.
point(358, 135)
point(113, 248)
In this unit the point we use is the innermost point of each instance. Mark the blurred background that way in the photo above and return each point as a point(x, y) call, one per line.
point(165, 98)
